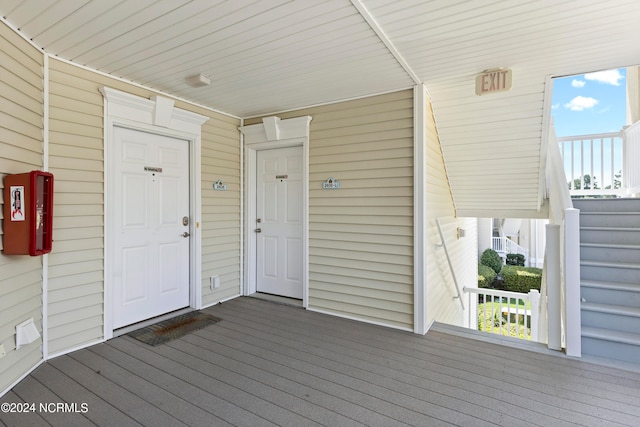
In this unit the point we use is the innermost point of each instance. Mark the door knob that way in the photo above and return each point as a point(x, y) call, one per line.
point(186, 234)
point(258, 230)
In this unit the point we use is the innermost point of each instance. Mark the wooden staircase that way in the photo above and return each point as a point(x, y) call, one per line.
point(610, 278)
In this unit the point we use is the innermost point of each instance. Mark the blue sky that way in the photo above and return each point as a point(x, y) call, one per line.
point(589, 103)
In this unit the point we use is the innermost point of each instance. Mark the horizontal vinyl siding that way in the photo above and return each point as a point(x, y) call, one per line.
point(76, 273)
point(220, 209)
point(21, 150)
point(441, 288)
point(492, 142)
point(361, 236)
point(76, 155)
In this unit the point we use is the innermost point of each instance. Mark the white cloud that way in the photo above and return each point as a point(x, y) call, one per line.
point(555, 106)
point(611, 77)
point(580, 103)
point(578, 83)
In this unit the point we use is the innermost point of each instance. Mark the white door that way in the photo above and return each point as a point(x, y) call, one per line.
point(151, 226)
point(279, 222)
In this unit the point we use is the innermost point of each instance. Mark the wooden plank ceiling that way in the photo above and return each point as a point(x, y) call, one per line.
point(266, 56)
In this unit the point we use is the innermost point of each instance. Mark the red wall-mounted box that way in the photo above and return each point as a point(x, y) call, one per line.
point(28, 213)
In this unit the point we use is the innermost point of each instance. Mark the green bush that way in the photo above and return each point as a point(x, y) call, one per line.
point(486, 276)
point(515, 259)
point(490, 258)
point(521, 279)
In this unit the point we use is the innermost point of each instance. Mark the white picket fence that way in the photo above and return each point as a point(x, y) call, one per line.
point(501, 312)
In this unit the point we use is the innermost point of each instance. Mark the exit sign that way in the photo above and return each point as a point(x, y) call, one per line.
point(492, 81)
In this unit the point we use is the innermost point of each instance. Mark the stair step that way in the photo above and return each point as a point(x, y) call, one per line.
point(611, 264)
point(623, 272)
point(607, 219)
point(600, 342)
point(617, 317)
point(611, 335)
point(619, 235)
point(612, 309)
point(609, 252)
point(607, 205)
point(613, 293)
point(610, 278)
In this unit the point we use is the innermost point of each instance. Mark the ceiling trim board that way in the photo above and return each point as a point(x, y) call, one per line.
point(385, 40)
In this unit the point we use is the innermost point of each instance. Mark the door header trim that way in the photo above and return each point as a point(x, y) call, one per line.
point(274, 129)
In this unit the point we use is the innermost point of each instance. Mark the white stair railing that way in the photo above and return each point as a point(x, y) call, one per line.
point(506, 313)
point(504, 245)
point(561, 280)
point(594, 164)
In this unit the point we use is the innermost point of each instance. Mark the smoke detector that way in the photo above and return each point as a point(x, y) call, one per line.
point(199, 80)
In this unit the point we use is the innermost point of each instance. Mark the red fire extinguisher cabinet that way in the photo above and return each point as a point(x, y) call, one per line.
point(28, 213)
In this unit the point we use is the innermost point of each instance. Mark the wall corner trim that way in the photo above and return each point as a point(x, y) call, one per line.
point(420, 100)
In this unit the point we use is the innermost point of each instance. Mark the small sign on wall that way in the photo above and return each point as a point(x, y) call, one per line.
point(493, 81)
point(17, 202)
point(331, 184)
point(219, 185)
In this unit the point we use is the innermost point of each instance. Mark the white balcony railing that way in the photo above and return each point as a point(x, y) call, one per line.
point(593, 164)
point(506, 313)
point(504, 245)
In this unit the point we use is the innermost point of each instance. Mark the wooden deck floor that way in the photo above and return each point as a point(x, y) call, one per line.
point(269, 364)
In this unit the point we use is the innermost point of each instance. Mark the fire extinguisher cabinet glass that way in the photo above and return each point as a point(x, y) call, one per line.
point(28, 213)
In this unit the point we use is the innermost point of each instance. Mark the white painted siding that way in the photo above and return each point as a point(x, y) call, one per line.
point(441, 289)
point(21, 149)
point(76, 283)
point(76, 159)
point(220, 209)
point(361, 236)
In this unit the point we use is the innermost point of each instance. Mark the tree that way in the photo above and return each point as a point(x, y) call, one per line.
point(577, 183)
point(617, 183)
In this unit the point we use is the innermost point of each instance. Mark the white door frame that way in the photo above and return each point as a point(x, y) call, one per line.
point(274, 133)
point(156, 116)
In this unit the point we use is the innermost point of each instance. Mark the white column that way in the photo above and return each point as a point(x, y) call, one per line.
point(573, 330)
point(554, 293)
point(485, 233)
point(420, 100)
point(631, 152)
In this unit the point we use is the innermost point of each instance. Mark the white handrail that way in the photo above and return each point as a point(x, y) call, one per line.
point(446, 252)
point(490, 314)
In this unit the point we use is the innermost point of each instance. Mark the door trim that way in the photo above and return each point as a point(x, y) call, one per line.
point(270, 134)
point(156, 116)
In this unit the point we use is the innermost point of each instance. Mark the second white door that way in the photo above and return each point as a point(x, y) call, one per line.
point(279, 222)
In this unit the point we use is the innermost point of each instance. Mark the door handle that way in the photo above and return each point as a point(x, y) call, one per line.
point(258, 230)
point(185, 234)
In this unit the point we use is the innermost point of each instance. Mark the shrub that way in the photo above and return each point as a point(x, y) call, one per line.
point(515, 259)
point(486, 276)
point(521, 279)
point(490, 258)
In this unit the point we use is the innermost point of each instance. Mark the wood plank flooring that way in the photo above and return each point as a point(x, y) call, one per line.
point(268, 364)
